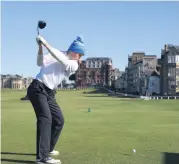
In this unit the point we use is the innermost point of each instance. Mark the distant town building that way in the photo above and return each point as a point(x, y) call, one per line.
point(115, 74)
point(95, 71)
point(153, 84)
point(144, 74)
point(140, 68)
point(15, 81)
point(169, 72)
point(120, 83)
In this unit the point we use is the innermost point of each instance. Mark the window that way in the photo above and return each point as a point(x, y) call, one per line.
point(178, 84)
point(177, 71)
point(172, 84)
point(177, 58)
point(84, 74)
point(169, 59)
point(173, 59)
point(171, 72)
point(93, 74)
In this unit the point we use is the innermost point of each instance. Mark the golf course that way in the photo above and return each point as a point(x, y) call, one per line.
point(98, 129)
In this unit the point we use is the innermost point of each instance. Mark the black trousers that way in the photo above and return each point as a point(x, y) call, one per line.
point(49, 116)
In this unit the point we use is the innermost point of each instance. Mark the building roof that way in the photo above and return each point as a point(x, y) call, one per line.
point(98, 58)
point(150, 56)
point(138, 53)
point(169, 47)
point(11, 76)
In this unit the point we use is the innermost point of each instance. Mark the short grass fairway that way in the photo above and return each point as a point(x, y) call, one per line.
point(106, 135)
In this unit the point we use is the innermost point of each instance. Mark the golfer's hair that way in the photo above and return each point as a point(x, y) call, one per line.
point(68, 52)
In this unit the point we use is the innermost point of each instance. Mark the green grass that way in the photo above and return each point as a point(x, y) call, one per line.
point(106, 135)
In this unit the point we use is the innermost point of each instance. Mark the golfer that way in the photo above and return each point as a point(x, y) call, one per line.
point(55, 65)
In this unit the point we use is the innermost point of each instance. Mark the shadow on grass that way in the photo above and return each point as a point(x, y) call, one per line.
point(170, 158)
point(10, 153)
point(96, 96)
point(16, 161)
point(97, 91)
point(125, 153)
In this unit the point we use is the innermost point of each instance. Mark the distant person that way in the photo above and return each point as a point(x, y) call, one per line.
point(54, 67)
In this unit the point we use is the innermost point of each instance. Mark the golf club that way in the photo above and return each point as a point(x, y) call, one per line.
point(41, 25)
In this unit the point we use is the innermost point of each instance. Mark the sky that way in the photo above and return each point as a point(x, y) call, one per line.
point(110, 29)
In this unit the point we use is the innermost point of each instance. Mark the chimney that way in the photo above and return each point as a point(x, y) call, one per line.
point(166, 47)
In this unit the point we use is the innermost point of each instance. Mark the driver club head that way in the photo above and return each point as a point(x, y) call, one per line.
point(41, 24)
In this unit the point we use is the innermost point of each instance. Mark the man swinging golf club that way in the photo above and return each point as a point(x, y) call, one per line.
point(54, 67)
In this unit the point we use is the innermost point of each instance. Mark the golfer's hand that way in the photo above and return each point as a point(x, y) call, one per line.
point(40, 52)
point(38, 42)
point(41, 40)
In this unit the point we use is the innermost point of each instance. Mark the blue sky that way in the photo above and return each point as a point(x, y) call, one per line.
point(110, 29)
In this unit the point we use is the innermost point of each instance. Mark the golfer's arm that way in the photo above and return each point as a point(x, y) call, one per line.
point(40, 56)
point(60, 58)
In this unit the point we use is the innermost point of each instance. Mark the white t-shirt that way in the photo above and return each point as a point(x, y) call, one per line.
point(55, 68)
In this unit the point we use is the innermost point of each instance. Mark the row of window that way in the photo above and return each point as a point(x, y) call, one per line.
point(93, 66)
point(90, 76)
point(97, 81)
point(173, 59)
point(173, 72)
point(172, 84)
point(178, 84)
point(90, 62)
point(15, 86)
point(102, 61)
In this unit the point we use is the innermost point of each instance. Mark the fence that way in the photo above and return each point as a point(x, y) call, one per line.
point(123, 95)
point(77, 88)
point(159, 97)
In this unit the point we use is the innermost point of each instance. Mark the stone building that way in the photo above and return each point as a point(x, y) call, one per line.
point(140, 68)
point(15, 81)
point(169, 72)
point(94, 71)
point(120, 83)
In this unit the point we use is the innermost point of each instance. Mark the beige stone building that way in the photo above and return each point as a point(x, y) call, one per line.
point(140, 68)
point(15, 82)
point(132, 71)
point(115, 74)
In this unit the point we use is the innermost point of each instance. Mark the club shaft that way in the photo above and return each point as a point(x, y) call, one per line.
point(37, 30)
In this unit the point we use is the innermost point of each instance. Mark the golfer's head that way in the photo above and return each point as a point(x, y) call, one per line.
point(76, 49)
